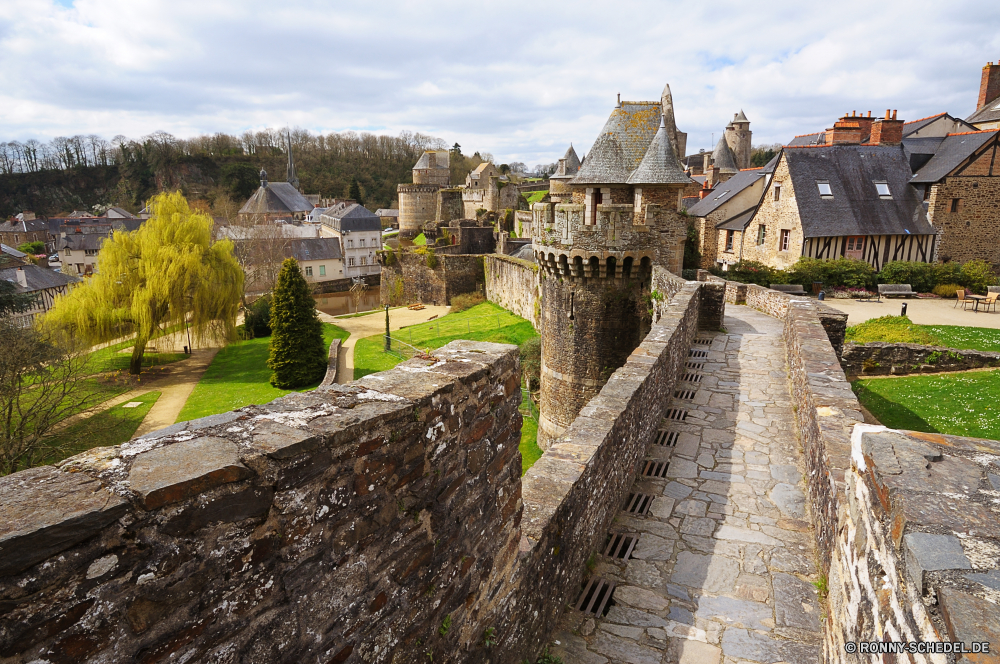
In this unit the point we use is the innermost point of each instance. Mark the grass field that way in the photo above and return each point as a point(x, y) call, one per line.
point(111, 358)
point(483, 322)
point(530, 452)
point(238, 376)
point(113, 426)
point(961, 404)
point(420, 240)
point(899, 329)
point(535, 196)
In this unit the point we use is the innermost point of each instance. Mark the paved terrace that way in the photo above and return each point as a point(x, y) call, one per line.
point(722, 567)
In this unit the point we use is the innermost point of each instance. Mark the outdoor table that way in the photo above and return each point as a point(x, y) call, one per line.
point(976, 299)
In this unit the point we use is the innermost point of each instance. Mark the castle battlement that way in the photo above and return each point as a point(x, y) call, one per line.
point(612, 230)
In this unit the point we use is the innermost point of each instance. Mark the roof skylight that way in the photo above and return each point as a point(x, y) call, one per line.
point(883, 190)
point(824, 189)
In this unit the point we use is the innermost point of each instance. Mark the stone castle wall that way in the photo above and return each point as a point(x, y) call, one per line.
point(513, 284)
point(342, 525)
point(409, 279)
point(973, 231)
point(881, 359)
point(418, 204)
point(449, 206)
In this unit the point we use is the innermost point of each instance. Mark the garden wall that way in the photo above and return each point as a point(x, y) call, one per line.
point(409, 279)
point(512, 283)
point(878, 358)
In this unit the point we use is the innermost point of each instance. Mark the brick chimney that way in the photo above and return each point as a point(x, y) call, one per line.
point(844, 131)
point(705, 190)
point(865, 123)
point(22, 278)
point(989, 86)
point(887, 130)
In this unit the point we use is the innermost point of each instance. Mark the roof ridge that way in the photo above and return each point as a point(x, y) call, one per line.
point(755, 168)
point(981, 131)
point(927, 118)
point(812, 133)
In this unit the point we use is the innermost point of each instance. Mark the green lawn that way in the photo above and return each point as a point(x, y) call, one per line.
point(535, 196)
point(420, 240)
point(483, 322)
point(238, 376)
point(899, 329)
point(111, 358)
point(530, 452)
point(961, 404)
point(113, 426)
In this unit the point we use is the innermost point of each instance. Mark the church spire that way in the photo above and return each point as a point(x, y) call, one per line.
point(290, 174)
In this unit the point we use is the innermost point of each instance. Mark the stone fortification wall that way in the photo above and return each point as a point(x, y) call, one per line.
point(513, 284)
point(449, 205)
point(344, 525)
point(522, 223)
point(880, 359)
point(917, 554)
point(410, 279)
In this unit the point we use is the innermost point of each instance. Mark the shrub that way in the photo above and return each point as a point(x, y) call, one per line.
point(390, 257)
point(257, 318)
point(947, 273)
point(978, 275)
point(841, 272)
point(891, 329)
point(922, 277)
point(689, 273)
point(531, 360)
point(753, 272)
point(297, 352)
point(32, 248)
point(466, 301)
point(946, 290)
point(692, 257)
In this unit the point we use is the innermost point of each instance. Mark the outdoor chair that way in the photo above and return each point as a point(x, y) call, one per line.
point(961, 298)
point(991, 301)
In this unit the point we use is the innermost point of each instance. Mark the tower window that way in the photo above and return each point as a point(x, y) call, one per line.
point(777, 192)
point(783, 243)
point(956, 204)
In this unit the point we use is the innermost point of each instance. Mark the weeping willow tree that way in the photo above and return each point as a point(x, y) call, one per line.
point(167, 272)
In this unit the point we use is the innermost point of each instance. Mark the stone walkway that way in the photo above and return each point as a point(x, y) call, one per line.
point(722, 568)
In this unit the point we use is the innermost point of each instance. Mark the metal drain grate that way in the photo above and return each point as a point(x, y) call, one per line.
point(638, 503)
point(692, 377)
point(620, 545)
point(676, 414)
point(596, 596)
point(684, 395)
point(666, 438)
point(654, 468)
point(698, 353)
point(695, 365)
point(703, 342)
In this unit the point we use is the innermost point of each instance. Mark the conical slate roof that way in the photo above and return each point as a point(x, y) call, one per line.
point(740, 117)
point(572, 161)
point(621, 145)
point(660, 165)
point(724, 158)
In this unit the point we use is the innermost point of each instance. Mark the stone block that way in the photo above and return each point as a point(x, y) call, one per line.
point(927, 552)
point(280, 441)
point(970, 618)
point(175, 472)
point(795, 603)
point(44, 511)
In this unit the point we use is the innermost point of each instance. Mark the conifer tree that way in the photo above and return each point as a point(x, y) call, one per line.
point(354, 191)
point(298, 355)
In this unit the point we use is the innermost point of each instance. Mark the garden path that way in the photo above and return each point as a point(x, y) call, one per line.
point(374, 323)
point(725, 556)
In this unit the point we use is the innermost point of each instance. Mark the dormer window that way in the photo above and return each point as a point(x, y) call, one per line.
point(824, 189)
point(883, 190)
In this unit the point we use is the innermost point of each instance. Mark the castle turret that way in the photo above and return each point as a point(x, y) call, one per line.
point(596, 255)
point(738, 137)
point(418, 202)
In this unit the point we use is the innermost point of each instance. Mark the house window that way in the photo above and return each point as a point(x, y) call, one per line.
point(761, 234)
point(361, 242)
point(69, 253)
point(956, 204)
point(350, 244)
point(729, 240)
point(777, 192)
point(855, 246)
point(783, 244)
point(322, 270)
point(350, 262)
point(309, 271)
point(824, 189)
point(883, 190)
point(638, 199)
point(364, 260)
point(90, 252)
point(927, 192)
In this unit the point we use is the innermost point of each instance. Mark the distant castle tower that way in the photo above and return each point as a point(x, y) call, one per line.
point(418, 202)
point(597, 252)
point(738, 137)
point(290, 176)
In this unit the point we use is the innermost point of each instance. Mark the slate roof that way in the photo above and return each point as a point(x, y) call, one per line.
point(622, 143)
point(988, 113)
point(572, 161)
point(689, 202)
point(525, 253)
point(82, 241)
point(425, 160)
point(659, 165)
point(856, 208)
point(723, 157)
point(314, 249)
point(955, 149)
point(740, 117)
point(808, 139)
point(28, 226)
point(351, 217)
point(386, 212)
point(38, 278)
point(724, 192)
point(737, 223)
point(920, 150)
point(11, 251)
point(121, 212)
point(276, 198)
point(917, 125)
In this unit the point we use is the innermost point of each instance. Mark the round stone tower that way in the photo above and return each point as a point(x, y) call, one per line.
point(738, 136)
point(418, 202)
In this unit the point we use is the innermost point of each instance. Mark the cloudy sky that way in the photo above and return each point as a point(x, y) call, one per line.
point(518, 79)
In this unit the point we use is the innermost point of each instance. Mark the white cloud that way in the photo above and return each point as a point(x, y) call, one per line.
point(518, 79)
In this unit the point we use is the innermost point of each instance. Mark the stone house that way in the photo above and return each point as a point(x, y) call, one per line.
point(721, 213)
point(17, 232)
point(43, 283)
point(987, 115)
point(390, 218)
point(837, 200)
point(275, 200)
point(320, 259)
point(360, 235)
point(960, 186)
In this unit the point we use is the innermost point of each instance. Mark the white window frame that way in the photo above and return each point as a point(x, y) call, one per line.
point(784, 239)
point(828, 192)
point(322, 270)
point(883, 190)
point(350, 262)
point(309, 270)
point(761, 234)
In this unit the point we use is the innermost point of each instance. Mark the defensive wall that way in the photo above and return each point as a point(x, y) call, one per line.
point(878, 358)
point(431, 278)
point(512, 283)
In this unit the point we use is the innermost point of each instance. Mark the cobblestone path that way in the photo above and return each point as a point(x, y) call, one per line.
point(723, 560)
